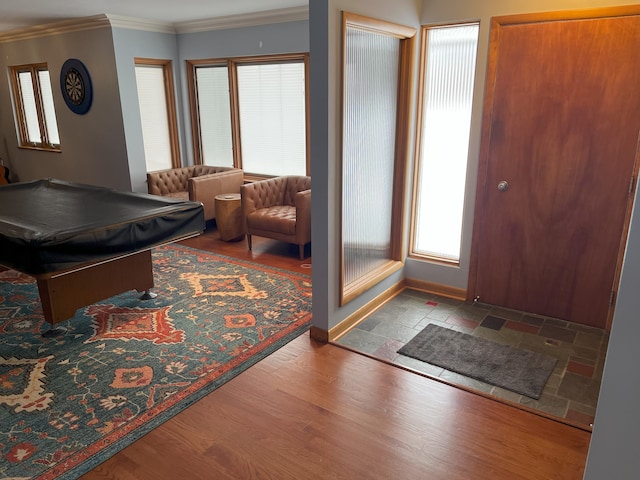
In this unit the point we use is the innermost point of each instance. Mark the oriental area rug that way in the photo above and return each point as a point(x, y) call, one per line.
point(126, 365)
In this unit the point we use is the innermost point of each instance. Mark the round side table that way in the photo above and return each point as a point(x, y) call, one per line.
point(229, 217)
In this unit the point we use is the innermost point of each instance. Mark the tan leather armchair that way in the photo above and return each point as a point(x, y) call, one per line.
point(278, 208)
point(199, 183)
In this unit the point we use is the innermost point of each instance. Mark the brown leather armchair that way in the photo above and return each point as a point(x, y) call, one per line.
point(199, 183)
point(278, 208)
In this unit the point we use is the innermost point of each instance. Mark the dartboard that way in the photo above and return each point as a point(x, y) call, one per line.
point(76, 86)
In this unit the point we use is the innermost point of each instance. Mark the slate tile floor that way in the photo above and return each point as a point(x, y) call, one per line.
point(572, 390)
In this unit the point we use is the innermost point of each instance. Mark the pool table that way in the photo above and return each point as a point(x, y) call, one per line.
point(85, 243)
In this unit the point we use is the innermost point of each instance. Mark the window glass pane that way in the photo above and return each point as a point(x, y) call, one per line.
point(154, 116)
point(215, 115)
point(272, 118)
point(29, 107)
point(446, 121)
point(49, 109)
point(369, 134)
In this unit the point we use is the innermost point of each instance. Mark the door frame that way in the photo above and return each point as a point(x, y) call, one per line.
point(487, 117)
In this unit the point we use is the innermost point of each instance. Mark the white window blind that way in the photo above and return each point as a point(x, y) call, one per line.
point(154, 116)
point(51, 122)
point(215, 115)
point(29, 108)
point(446, 122)
point(271, 100)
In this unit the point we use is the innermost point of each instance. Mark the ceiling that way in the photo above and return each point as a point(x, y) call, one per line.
point(16, 14)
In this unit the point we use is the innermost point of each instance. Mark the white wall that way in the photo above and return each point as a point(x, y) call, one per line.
point(92, 144)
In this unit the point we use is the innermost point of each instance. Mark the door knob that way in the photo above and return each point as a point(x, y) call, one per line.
point(503, 186)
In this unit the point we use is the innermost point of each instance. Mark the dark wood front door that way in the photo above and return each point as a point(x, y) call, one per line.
point(558, 161)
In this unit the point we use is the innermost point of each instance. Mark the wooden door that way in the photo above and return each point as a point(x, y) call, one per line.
point(561, 123)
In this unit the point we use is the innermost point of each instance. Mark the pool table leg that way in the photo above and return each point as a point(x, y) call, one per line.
point(63, 293)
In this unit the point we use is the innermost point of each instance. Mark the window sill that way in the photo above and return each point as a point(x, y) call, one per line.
point(41, 148)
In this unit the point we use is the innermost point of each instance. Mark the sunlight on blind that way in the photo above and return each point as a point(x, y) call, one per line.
point(215, 115)
point(446, 122)
point(154, 116)
point(368, 156)
point(49, 110)
point(271, 97)
point(29, 107)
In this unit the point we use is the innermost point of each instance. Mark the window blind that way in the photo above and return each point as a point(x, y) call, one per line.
point(214, 115)
point(154, 116)
point(49, 110)
point(271, 100)
point(29, 107)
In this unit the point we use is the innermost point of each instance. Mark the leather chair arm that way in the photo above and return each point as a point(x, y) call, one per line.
point(303, 216)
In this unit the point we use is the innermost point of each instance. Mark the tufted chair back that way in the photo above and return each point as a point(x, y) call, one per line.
point(169, 181)
point(174, 180)
point(199, 170)
point(199, 183)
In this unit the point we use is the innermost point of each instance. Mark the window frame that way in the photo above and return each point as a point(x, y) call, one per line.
point(406, 36)
point(236, 140)
point(170, 101)
point(20, 114)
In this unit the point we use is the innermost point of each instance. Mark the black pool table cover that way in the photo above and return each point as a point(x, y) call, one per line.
point(51, 225)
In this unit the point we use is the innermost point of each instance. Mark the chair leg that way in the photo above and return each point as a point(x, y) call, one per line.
point(301, 247)
point(249, 241)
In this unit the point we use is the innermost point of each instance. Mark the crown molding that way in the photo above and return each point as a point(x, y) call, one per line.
point(131, 23)
point(253, 19)
point(102, 20)
point(56, 28)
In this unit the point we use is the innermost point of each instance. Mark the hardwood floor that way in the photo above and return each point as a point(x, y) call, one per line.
point(318, 411)
point(264, 251)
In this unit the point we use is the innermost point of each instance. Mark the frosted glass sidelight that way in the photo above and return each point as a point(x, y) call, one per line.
point(446, 120)
point(368, 156)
